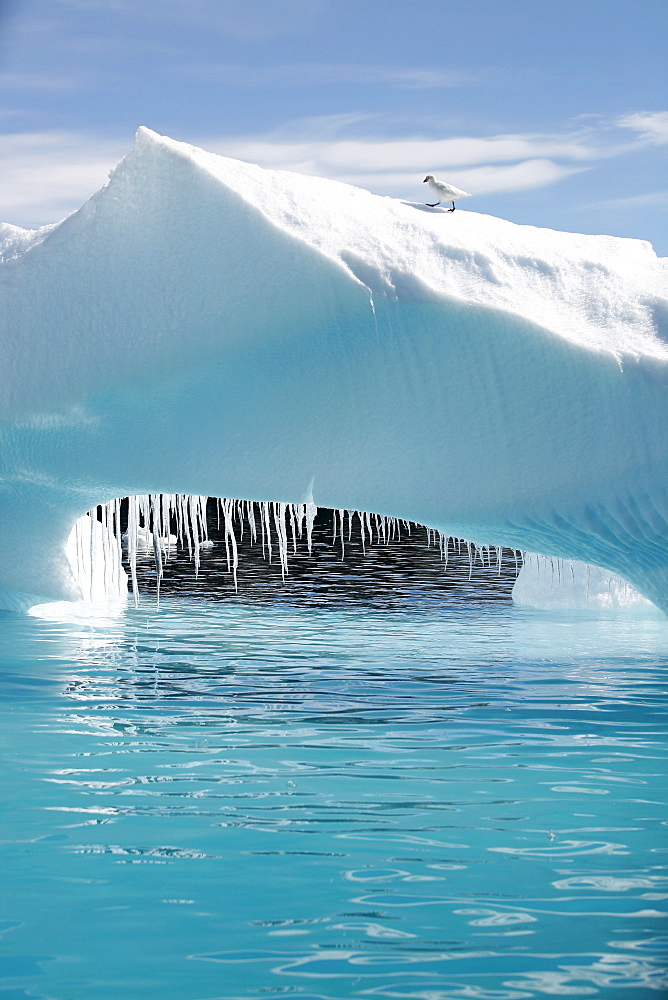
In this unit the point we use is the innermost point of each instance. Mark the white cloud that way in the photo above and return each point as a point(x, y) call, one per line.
point(335, 156)
point(46, 175)
point(515, 177)
point(652, 126)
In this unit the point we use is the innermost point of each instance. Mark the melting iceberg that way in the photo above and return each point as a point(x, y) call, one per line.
point(202, 326)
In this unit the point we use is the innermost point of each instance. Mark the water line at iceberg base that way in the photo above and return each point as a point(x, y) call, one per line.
point(97, 541)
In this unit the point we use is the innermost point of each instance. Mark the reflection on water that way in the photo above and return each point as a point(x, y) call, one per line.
point(420, 796)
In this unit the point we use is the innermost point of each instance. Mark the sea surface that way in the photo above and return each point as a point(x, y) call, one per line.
point(372, 780)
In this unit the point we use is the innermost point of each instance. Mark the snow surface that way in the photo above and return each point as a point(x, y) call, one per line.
point(203, 326)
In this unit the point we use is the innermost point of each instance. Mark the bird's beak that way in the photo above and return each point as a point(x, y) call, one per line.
point(425, 180)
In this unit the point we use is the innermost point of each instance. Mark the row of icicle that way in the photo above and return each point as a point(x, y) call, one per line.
point(152, 516)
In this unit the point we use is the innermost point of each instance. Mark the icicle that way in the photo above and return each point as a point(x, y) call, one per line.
point(281, 533)
point(102, 509)
point(311, 511)
point(204, 528)
point(157, 548)
point(361, 516)
point(293, 527)
point(266, 529)
point(227, 539)
point(183, 523)
point(116, 520)
point(91, 556)
point(133, 528)
point(236, 511)
point(250, 517)
point(230, 539)
point(299, 515)
point(195, 526)
point(143, 522)
point(262, 529)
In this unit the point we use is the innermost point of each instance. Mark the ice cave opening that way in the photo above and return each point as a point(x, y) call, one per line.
point(230, 549)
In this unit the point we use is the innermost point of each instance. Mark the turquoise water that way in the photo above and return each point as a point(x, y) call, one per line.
point(223, 801)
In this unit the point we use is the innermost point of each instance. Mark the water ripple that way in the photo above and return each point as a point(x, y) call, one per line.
point(228, 801)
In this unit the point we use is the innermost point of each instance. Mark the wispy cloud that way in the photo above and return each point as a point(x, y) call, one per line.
point(46, 175)
point(652, 126)
point(337, 155)
point(523, 176)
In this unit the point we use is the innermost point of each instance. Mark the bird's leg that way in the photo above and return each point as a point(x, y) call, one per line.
point(429, 205)
point(453, 207)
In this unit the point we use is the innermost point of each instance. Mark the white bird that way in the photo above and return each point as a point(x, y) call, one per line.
point(444, 192)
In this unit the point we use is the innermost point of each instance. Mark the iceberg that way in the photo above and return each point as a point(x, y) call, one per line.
point(205, 327)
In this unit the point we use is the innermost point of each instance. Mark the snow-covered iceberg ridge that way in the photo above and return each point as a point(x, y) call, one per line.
point(202, 326)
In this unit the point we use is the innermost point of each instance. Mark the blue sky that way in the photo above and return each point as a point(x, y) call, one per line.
point(551, 112)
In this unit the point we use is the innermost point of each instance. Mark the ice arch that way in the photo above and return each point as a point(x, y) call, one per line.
point(203, 326)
